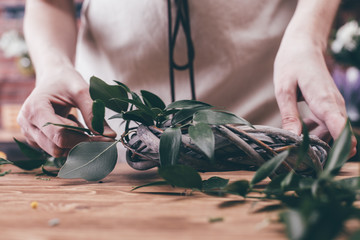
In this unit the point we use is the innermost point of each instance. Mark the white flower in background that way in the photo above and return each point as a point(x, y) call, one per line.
point(13, 44)
point(346, 37)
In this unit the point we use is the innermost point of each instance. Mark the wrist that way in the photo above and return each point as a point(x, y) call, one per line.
point(312, 22)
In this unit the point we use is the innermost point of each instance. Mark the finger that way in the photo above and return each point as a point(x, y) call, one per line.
point(35, 118)
point(84, 103)
point(287, 102)
point(44, 143)
point(353, 146)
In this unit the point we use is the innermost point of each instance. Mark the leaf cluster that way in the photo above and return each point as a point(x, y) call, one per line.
point(317, 208)
point(95, 160)
point(34, 158)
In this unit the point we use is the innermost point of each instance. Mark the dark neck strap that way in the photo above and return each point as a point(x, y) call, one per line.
point(183, 19)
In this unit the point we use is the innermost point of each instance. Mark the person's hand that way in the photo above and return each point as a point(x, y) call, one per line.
point(300, 72)
point(56, 92)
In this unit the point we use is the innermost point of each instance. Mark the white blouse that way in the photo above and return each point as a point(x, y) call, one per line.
point(235, 46)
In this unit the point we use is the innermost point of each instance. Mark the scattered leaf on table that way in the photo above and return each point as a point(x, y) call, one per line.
point(181, 176)
point(240, 187)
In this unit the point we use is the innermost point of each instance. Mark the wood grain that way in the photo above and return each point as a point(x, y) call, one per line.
point(110, 210)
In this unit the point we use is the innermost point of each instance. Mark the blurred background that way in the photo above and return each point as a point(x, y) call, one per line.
point(17, 77)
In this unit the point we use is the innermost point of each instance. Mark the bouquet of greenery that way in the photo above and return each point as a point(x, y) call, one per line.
point(190, 134)
point(185, 132)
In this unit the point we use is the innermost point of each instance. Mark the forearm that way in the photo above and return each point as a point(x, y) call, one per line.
point(50, 31)
point(313, 20)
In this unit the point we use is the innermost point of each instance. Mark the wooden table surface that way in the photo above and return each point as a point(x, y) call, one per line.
point(110, 210)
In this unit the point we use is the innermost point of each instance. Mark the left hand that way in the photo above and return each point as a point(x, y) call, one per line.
point(300, 67)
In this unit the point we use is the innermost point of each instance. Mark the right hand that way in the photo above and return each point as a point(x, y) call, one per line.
point(57, 91)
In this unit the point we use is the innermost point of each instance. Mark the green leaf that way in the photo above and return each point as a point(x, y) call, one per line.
point(304, 146)
point(241, 188)
point(214, 183)
point(216, 219)
point(36, 157)
point(118, 115)
point(185, 114)
point(138, 116)
point(4, 173)
point(91, 161)
point(352, 183)
point(181, 176)
point(97, 122)
point(295, 226)
point(125, 87)
point(69, 127)
point(355, 236)
point(101, 90)
point(170, 142)
point(182, 104)
point(152, 100)
point(269, 167)
point(203, 137)
point(158, 183)
point(218, 118)
point(339, 152)
point(4, 161)
point(286, 182)
point(136, 103)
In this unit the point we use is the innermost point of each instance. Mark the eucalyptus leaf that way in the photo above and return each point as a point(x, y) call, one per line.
point(240, 187)
point(218, 118)
point(203, 137)
point(183, 104)
point(269, 167)
point(97, 122)
point(152, 100)
point(170, 142)
point(214, 183)
point(70, 127)
point(101, 90)
point(91, 161)
point(158, 183)
point(4, 161)
point(181, 176)
point(339, 152)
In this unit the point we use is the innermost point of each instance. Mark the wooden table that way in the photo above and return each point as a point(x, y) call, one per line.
point(109, 210)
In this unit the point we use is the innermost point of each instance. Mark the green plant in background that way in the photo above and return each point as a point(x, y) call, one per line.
point(316, 207)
